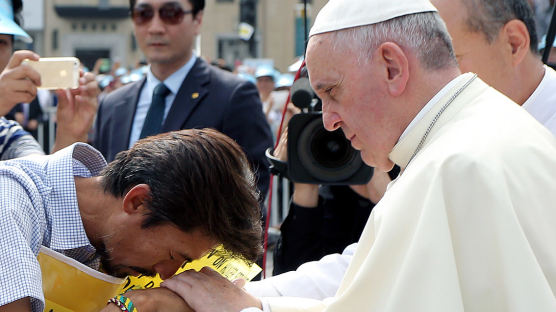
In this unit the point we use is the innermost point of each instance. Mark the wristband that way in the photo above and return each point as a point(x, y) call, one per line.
point(123, 303)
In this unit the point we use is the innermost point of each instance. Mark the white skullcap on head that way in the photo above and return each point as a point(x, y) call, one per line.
point(342, 14)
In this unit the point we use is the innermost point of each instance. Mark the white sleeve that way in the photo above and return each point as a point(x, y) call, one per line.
point(314, 280)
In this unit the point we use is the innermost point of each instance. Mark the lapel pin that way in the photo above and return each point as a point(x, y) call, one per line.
point(195, 95)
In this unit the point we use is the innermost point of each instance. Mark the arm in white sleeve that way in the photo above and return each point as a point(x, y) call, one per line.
point(314, 280)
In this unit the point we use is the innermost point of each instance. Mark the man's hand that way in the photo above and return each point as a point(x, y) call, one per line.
point(305, 195)
point(76, 111)
point(209, 291)
point(281, 150)
point(18, 82)
point(153, 300)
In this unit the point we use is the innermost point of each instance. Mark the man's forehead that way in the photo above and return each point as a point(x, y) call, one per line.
point(324, 50)
point(319, 44)
point(322, 62)
point(314, 55)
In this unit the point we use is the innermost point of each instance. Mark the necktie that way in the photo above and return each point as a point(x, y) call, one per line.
point(153, 121)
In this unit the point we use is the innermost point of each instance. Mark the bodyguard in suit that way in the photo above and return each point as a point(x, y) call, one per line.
point(184, 90)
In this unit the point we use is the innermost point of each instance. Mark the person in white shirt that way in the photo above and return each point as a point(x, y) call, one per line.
point(497, 40)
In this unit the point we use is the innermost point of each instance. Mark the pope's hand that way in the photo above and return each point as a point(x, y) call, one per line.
point(207, 291)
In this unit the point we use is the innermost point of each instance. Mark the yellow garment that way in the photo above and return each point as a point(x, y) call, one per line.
point(70, 286)
point(470, 225)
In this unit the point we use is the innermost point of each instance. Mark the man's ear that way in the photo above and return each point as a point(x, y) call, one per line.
point(396, 67)
point(136, 199)
point(517, 36)
point(198, 19)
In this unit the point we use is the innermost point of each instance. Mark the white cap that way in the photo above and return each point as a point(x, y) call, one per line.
point(342, 14)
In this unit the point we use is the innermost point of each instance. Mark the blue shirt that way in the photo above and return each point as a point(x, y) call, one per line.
point(173, 82)
point(16, 142)
point(38, 206)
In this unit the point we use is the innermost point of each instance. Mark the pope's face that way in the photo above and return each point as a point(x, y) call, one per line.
point(352, 100)
point(490, 61)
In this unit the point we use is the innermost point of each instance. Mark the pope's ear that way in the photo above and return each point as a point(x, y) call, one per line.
point(136, 199)
point(395, 65)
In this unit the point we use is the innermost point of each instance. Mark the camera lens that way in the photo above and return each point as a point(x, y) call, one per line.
point(330, 149)
point(327, 156)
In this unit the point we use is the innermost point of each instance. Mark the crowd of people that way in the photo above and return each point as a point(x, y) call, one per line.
point(448, 101)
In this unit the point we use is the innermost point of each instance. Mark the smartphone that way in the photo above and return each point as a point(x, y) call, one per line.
point(57, 72)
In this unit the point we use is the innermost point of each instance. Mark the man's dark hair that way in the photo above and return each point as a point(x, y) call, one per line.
point(198, 5)
point(17, 6)
point(199, 179)
point(489, 16)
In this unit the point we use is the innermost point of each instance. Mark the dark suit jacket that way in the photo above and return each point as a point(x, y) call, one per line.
point(208, 98)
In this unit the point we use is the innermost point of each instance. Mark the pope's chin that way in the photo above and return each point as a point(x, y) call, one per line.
point(354, 144)
point(369, 160)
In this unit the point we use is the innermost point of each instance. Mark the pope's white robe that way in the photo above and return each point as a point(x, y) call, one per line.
point(470, 225)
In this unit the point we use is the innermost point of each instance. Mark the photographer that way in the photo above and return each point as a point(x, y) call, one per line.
point(18, 84)
point(324, 219)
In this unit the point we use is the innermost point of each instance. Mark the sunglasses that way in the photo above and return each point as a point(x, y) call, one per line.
point(170, 13)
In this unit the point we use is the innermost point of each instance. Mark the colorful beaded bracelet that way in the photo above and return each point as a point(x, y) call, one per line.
point(123, 303)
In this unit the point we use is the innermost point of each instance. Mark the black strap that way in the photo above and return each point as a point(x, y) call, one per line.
point(549, 37)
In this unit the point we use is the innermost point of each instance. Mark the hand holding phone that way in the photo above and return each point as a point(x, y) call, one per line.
point(57, 72)
point(18, 84)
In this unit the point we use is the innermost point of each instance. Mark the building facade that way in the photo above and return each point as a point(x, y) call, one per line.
point(94, 29)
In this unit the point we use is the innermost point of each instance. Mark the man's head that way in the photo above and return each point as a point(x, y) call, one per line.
point(492, 38)
point(166, 30)
point(370, 77)
point(9, 26)
point(264, 76)
point(193, 186)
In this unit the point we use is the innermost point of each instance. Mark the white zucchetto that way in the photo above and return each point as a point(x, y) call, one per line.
point(342, 14)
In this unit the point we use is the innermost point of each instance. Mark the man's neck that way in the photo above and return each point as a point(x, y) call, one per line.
point(94, 206)
point(528, 76)
point(163, 70)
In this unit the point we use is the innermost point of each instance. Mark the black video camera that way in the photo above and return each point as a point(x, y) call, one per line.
point(315, 155)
